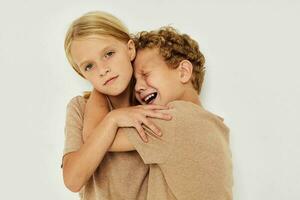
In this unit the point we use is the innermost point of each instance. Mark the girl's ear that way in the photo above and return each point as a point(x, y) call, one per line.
point(131, 49)
point(185, 70)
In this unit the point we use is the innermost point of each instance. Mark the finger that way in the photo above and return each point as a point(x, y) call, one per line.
point(152, 126)
point(141, 132)
point(158, 115)
point(154, 107)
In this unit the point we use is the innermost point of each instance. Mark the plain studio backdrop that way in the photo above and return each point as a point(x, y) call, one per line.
point(252, 51)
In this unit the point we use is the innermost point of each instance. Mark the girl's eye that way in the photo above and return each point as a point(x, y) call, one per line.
point(109, 54)
point(88, 67)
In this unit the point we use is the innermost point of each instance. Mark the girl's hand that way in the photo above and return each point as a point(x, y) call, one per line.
point(136, 116)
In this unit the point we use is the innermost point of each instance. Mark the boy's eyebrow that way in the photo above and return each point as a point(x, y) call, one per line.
point(140, 71)
point(101, 52)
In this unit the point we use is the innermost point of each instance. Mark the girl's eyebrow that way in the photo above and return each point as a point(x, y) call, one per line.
point(100, 52)
point(80, 65)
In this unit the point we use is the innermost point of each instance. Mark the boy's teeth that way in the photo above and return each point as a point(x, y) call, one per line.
point(148, 97)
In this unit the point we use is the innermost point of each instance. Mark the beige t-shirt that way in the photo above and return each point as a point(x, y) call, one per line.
point(121, 175)
point(192, 160)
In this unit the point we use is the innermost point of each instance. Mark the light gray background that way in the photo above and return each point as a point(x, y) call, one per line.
point(252, 51)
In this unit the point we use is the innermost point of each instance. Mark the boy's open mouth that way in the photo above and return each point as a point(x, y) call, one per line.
point(150, 98)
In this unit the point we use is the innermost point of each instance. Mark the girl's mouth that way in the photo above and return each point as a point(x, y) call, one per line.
point(110, 80)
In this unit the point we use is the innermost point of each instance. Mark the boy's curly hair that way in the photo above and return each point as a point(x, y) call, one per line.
point(174, 47)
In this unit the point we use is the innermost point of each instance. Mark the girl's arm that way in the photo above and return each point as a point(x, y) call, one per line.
point(78, 166)
point(95, 110)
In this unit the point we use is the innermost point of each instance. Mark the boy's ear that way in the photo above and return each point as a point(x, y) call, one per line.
point(185, 70)
point(131, 49)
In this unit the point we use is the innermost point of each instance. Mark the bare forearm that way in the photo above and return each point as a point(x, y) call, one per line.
point(95, 110)
point(81, 165)
point(121, 142)
point(92, 119)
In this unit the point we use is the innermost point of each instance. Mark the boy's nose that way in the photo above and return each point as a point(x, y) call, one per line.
point(140, 85)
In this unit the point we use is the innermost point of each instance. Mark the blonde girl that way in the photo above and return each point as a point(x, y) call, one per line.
point(99, 48)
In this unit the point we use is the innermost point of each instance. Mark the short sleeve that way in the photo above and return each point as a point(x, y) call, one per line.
point(193, 152)
point(73, 125)
point(199, 166)
point(157, 149)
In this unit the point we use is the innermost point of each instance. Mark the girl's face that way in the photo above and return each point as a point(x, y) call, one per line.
point(105, 62)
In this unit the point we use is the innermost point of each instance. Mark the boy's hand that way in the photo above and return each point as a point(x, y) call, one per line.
point(95, 110)
point(135, 116)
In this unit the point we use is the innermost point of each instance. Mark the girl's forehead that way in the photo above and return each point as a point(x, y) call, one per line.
point(104, 39)
point(94, 43)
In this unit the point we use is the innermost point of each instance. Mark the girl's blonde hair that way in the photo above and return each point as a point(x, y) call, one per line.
point(94, 23)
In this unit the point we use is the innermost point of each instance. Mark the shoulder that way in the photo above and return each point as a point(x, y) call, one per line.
point(77, 104)
point(186, 107)
point(193, 114)
point(189, 109)
point(77, 100)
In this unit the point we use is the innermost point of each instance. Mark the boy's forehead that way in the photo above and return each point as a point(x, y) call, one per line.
point(146, 58)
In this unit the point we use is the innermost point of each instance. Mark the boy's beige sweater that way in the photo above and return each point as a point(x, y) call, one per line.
point(192, 160)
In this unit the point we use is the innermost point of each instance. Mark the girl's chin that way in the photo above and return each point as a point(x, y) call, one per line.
point(114, 91)
point(114, 94)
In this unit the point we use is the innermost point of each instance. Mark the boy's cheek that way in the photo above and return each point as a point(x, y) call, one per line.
point(139, 100)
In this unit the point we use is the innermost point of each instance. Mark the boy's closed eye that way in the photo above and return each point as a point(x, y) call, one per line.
point(145, 75)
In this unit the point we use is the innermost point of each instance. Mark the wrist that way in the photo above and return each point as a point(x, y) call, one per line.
point(111, 120)
point(106, 129)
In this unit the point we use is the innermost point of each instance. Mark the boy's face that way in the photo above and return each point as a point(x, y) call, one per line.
point(156, 82)
point(105, 62)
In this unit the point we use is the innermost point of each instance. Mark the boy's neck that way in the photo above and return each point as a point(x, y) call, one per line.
point(191, 95)
point(120, 101)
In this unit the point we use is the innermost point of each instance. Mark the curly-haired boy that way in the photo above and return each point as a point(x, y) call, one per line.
point(192, 160)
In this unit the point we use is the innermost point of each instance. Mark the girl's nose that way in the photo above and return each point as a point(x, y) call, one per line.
point(103, 71)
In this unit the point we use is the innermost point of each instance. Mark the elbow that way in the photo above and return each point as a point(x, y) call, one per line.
point(71, 177)
point(72, 185)
point(71, 180)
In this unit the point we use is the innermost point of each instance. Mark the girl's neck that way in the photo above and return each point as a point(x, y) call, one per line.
point(122, 100)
